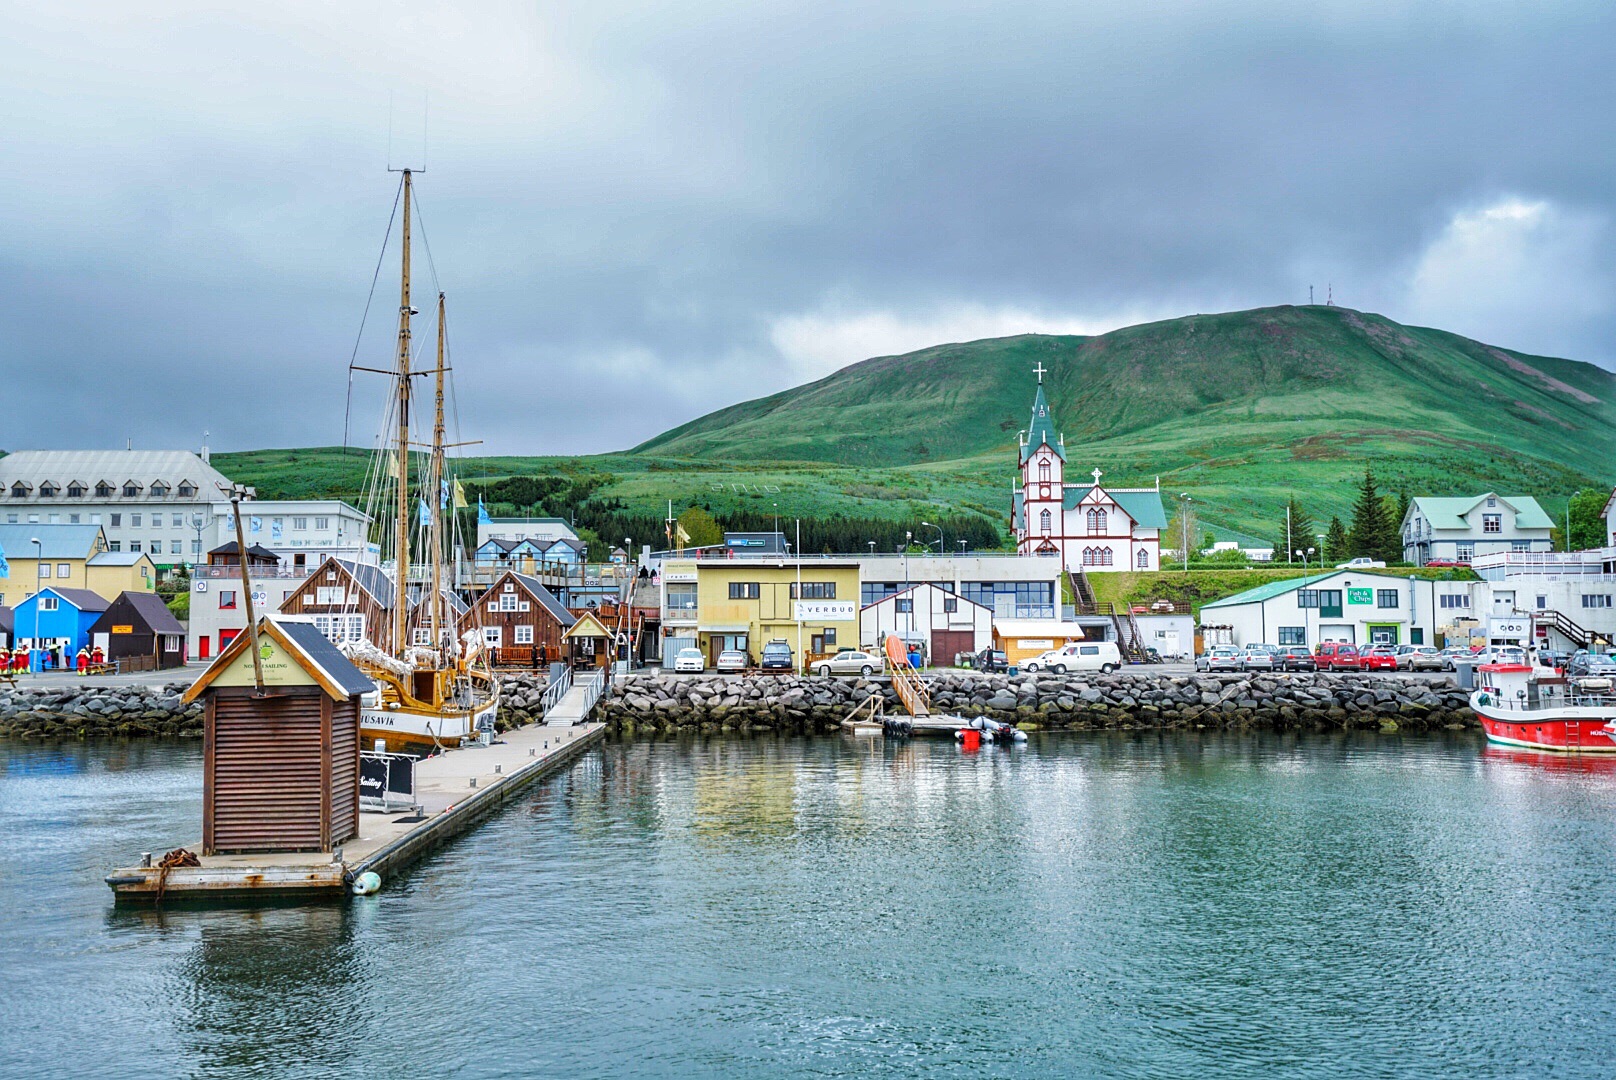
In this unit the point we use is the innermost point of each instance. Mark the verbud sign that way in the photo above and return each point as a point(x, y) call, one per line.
point(826, 611)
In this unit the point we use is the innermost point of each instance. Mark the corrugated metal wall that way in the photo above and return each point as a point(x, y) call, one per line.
point(344, 771)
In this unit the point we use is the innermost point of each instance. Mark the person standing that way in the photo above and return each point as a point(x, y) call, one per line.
point(83, 660)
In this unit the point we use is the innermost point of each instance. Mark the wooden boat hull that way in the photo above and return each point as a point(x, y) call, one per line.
point(407, 731)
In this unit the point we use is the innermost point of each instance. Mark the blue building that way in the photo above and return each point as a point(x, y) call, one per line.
point(57, 619)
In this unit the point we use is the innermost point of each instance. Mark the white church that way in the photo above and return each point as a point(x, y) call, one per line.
point(1090, 527)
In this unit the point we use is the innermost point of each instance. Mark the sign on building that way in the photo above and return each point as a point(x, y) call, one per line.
point(826, 611)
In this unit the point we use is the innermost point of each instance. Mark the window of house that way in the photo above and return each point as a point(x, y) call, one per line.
point(103, 490)
point(175, 547)
point(322, 523)
point(300, 523)
point(1492, 523)
point(1454, 600)
point(48, 490)
point(63, 569)
point(115, 520)
point(19, 490)
point(1598, 601)
point(871, 592)
point(1043, 471)
point(830, 635)
point(227, 598)
point(187, 489)
point(159, 489)
point(75, 490)
point(44, 569)
point(134, 545)
point(1492, 501)
point(1520, 545)
point(491, 636)
point(72, 519)
point(1465, 552)
point(815, 590)
point(11, 519)
point(328, 594)
point(114, 545)
point(1542, 602)
point(905, 605)
point(1096, 521)
point(522, 635)
point(1293, 635)
point(507, 602)
point(422, 636)
point(1097, 556)
point(681, 597)
point(340, 628)
point(56, 519)
point(49, 603)
point(745, 590)
point(196, 547)
point(1386, 598)
point(1142, 560)
point(33, 519)
point(134, 521)
point(1045, 522)
point(950, 604)
point(131, 490)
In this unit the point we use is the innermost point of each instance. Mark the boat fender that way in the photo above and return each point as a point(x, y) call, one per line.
point(367, 883)
point(1483, 699)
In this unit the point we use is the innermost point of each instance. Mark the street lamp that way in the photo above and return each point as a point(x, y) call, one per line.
point(961, 544)
point(872, 546)
point(939, 529)
point(39, 564)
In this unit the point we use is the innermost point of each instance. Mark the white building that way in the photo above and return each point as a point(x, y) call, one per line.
point(943, 622)
point(1091, 527)
point(1341, 605)
point(1570, 596)
point(1009, 586)
point(146, 501)
point(301, 532)
point(1459, 530)
point(531, 528)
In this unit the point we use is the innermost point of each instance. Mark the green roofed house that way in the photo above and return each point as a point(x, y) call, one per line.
point(1341, 605)
point(1091, 527)
point(1458, 530)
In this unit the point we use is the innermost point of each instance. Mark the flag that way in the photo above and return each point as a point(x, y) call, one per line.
point(255, 524)
point(426, 515)
point(5, 567)
point(482, 513)
point(275, 530)
point(443, 494)
point(680, 537)
point(459, 496)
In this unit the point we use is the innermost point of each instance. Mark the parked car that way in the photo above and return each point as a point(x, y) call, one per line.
point(1420, 658)
point(1219, 658)
point(732, 660)
point(1443, 562)
point(1296, 658)
point(1590, 663)
point(1454, 653)
point(851, 662)
point(1337, 656)
point(1502, 654)
point(1362, 564)
point(1378, 658)
point(1256, 658)
point(776, 657)
point(991, 660)
point(1083, 656)
point(689, 660)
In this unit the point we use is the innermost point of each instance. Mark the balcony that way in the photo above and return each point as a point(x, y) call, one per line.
point(233, 573)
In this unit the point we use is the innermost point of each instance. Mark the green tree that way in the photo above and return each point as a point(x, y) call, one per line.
point(1373, 535)
point(1298, 536)
point(1587, 528)
point(1335, 542)
point(701, 528)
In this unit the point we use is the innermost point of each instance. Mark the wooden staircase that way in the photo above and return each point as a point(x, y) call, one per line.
point(906, 680)
point(1129, 640)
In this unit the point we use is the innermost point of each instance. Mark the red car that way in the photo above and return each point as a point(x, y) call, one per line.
point(1378, 658)
point(1337, 656)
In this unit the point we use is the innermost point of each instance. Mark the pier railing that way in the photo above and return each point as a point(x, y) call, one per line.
point(556, 690)
point(593, 686)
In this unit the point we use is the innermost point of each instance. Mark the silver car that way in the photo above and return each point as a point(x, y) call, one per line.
point(1257, 658)
point(1420, 658)
point(732, 660)
point(1219, 658)
point(852, 662)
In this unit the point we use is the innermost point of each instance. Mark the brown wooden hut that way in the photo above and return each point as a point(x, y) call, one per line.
point(280, 769)
point(138, 629)
point(520, 621)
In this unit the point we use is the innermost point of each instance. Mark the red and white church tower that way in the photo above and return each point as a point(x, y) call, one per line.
point(1086, 525)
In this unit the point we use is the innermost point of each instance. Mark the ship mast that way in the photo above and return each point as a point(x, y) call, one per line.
point(437, 490)
point(401, 538)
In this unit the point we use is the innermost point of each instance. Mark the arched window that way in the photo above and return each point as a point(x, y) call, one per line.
point(1142, 560)
point(1089, 557)
point(1044, 522)
point(1097, 523)
point(1043, 470)
point(1105, 556)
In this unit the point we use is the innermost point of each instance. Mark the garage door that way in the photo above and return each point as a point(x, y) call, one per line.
point(1337, 632)
point(945, 643)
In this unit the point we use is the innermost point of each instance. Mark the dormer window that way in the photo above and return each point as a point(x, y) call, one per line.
point(187, 489)
point(131, 490)
point(19, 490)
point(75, 490)
point(48, 490)
point(103, 490)
point(159, 490)
point(1492, 501)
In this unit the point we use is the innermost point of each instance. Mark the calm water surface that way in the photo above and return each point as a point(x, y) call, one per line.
point(1223, 906)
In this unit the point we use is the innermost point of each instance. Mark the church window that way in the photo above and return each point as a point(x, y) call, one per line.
point(1097, 556)
point(1142, 560)
point(1045, 522)
point(1043, 470)
point(1097, 525)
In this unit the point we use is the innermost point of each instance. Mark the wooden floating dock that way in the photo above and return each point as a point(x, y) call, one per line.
point(455, 790)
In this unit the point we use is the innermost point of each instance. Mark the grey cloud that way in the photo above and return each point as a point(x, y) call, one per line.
point(622, 199)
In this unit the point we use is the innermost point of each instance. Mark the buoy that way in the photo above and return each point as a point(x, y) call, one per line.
point(367, 883)
point(972, 739)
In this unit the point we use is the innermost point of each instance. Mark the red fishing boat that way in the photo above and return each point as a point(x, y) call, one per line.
point(1538, 708)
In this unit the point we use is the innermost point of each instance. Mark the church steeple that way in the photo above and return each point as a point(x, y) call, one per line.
point(1042, 428)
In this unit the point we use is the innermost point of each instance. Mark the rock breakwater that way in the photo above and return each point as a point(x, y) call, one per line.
point(1123, 700)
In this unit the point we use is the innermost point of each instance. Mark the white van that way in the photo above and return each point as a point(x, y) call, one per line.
point(1081, 656)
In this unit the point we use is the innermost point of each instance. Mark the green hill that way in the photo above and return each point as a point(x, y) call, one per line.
point(1238, 409)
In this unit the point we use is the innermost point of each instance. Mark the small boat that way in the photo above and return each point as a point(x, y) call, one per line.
point(990, 731)
point(1541, 709)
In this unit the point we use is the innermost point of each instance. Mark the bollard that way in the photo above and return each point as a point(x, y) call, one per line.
point(145, 858)
point(336, 855)
point(498, 769)
point(473, 781)
point(532, 751)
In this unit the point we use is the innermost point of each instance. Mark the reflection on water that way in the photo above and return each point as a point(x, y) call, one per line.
point(1100, 905)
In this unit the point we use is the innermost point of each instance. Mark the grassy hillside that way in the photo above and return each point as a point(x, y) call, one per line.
point(1239, 410)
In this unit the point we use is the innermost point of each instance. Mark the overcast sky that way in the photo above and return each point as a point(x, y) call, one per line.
point(642, 212)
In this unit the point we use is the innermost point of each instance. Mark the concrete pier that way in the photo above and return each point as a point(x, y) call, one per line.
point(455, 791)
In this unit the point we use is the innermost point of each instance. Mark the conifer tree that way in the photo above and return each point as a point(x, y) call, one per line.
point(1335, 542)
point(1372, 535)
point(1299, 537)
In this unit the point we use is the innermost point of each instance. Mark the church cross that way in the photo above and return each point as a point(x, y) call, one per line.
point(1096, 477)
point(1039, 370)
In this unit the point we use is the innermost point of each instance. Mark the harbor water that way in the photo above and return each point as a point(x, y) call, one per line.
point(1205, 905)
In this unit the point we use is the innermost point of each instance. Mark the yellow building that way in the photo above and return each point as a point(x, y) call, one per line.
point(68, 557)
point(744, 603)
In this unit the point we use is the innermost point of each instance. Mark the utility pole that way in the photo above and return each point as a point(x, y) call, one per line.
point(237, 493)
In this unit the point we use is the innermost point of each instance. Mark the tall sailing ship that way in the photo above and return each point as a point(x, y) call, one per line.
point(435, 684)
